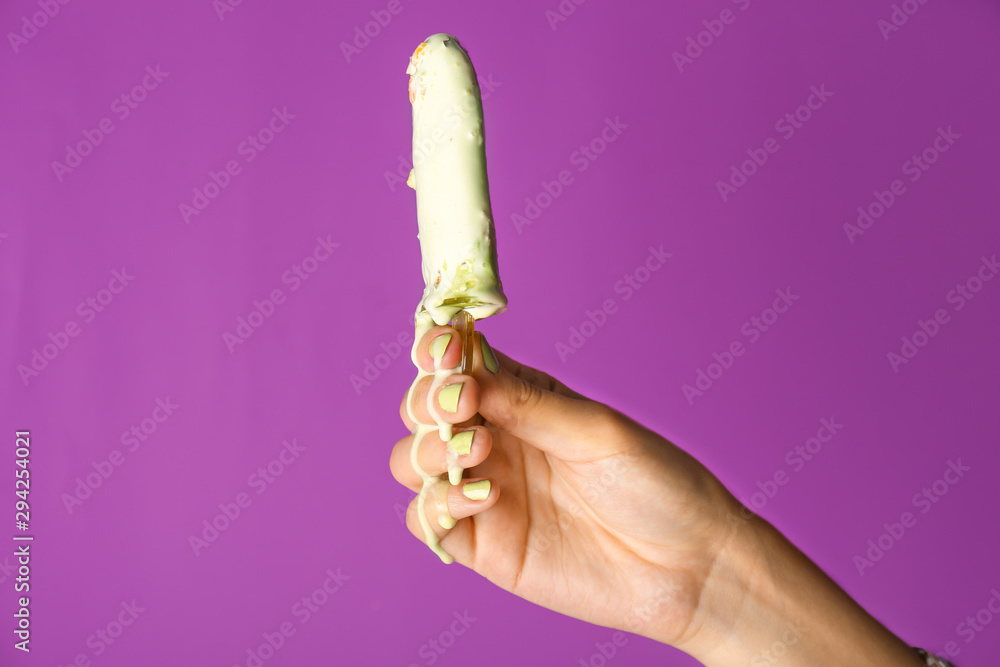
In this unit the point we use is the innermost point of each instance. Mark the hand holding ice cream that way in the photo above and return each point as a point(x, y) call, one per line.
point(574, 506)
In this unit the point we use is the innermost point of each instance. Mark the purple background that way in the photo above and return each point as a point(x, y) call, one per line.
point(554, 84)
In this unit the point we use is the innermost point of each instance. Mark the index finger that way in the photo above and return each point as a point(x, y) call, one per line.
point(442, 341)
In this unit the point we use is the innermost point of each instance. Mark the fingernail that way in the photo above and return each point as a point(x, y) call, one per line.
point(489, 357)
point(477, 490)
point(439, 345)
point(461, 444)
point(448, 397)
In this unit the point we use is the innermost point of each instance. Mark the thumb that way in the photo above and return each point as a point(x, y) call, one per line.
point(537, 408)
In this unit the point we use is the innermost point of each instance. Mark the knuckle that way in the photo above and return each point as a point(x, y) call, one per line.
point(412, 523)
point(526, 397)
point(403, 407)
point(396, 475)
point(413, 398)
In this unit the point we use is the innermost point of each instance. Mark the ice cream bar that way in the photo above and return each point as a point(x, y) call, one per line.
point(457, 239)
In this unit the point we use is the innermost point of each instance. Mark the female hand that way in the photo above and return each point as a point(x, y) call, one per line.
point(592, 515)
point(589, 513)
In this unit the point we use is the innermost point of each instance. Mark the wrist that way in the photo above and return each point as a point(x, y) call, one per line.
point(763, 601)
point(723, 584)
point(734, 595)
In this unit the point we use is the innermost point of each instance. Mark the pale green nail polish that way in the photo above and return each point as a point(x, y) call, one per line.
point(439, 345)
point(477, 490)
point(489, 357)
point(448, 397)
point(461, 444)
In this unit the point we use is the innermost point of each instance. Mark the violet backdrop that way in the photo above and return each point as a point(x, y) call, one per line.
point(869, 97)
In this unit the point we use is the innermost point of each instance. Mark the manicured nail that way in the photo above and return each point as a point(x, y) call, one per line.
point(489, 357)
point(461, 443)
point(477, 490)
point(448, 397)
point(439, 345)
